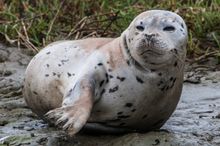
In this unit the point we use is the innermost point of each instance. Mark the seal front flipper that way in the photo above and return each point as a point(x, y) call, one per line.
point(76, 108)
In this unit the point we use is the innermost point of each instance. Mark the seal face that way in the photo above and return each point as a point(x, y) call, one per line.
point(154, 37)
point(130, 83)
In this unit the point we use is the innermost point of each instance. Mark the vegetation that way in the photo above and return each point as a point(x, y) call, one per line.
point(35, 23)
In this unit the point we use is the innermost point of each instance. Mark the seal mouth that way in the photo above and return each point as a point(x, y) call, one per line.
point(151, 52)
point(133, 61)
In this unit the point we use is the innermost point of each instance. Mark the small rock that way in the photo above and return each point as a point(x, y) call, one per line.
point(18, 127)
point(42, 140)
point(193, 80)
point(214, 81)
point(218, 116)
point(28, 128)
point(32, 135)
point(3, 123)
point(3, 56)
point(157, 142)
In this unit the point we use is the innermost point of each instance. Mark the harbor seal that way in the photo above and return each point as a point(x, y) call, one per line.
point(129, 83)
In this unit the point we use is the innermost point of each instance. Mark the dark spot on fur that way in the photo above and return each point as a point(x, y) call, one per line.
point(107, 80)
point(48, 53)
point(182, 25)
point(48, 65)
point(125, 43)
point(175, 64)
point(121, 124)
point(99, 64)
point(139, 80)
point(121, 78)
point(119, 113)
point(153, 70)
point(111, 90)
point(123, 116)
point(63, 61)
point(171, 86)
point(59, 64)
point(160, 74)
point(144, 116)
point(95, 67)
point(171, 78)
point(110, 76)
point(58, 75)
point(102, 92)
point(174, 80)
point(136, 33)
point(98, 111)
point(133, 110)
point(69, 93)
point(107, 62)
point(175, 51)
point(163, 88)
point(128, 105)
point(35, 92)
point(129, 40)
point(54, 73)
point(161, 82)
point(114, 120)
point(109, 70)
point(69, 74)
point(173, 83)
point(141, 22)
point(46, 75)
point(128, 62)
point(101, 83)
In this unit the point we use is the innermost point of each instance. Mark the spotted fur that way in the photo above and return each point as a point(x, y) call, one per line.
point(124, 84)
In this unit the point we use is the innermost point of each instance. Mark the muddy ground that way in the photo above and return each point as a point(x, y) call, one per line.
point(196, 120)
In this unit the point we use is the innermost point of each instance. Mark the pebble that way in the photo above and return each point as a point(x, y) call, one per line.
point(28, 128)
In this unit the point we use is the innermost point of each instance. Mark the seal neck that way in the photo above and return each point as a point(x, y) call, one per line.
point(127, 54)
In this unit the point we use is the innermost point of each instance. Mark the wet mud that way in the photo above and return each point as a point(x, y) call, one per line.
point(196, 120)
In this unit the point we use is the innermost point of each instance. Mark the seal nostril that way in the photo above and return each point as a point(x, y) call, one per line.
point(149, 36)
point(169, 28)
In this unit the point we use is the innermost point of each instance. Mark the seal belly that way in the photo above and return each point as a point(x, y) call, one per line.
point(51, 71)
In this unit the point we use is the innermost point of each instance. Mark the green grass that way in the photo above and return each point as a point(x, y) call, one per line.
point(34, 24)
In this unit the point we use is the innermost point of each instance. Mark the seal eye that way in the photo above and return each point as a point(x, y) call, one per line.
point(169, 28)
point(140, 28)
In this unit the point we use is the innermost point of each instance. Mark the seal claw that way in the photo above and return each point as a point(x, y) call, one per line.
point(70, 119)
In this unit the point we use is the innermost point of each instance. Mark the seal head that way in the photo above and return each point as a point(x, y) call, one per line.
point(154, 37)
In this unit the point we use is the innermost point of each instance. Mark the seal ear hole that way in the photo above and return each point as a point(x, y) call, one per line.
point(169, 28)
point(140, 28)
